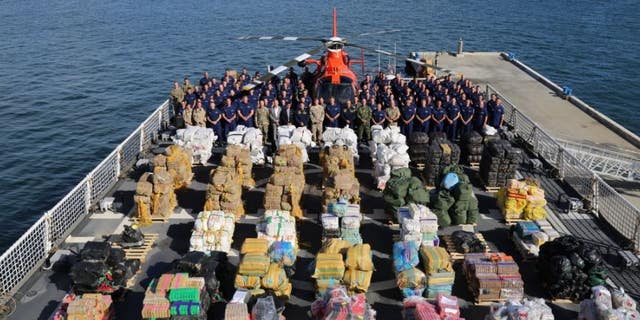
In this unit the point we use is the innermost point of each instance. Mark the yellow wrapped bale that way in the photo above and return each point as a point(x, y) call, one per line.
point(335, 245)
point(254, 245)
point(359, 257)
point(357, 281)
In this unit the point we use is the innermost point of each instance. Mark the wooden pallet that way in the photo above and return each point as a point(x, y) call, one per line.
point(474, 165)
point(488, 302)
point(511, 222)
point(420, 166)
point(142, 251)
point(453, 251)
point(563, 301)
point(154, 219)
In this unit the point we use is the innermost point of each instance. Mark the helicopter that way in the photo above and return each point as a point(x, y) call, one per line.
point(333, 75)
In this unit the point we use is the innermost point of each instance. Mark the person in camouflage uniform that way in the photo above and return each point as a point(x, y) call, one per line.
point(363, 116)
point(316, 112)
point(199, 115)
point(262, 120)
point(393, 113)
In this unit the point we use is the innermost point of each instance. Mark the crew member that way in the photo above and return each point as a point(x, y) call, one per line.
point(214, 117)
point(317, 116)
point(190, 97)
point(480, 116)
point(176, 96)
point(363, 116)
point(408, 115)
point(187, 113)
point(245, 112)
point(378, 115)
point(205, 79)
point(453, 116)
point(393, 114)
point(274, 120)
point(332, 113)
point(439, 117)
point(466, 117)
point(199, 115)
point(497, 116)
point(423, 116)
point(349, 115)
point(262, 120)
point(301, 116)
point(230, 118)
point(287, 115)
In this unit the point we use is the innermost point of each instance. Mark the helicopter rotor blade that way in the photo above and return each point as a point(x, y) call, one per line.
point(274, 72)
point(375, 33)
point(283, 38)
point(391, 54)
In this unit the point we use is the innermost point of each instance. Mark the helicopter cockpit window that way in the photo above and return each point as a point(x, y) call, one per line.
point(342, 92)
point(336, 46)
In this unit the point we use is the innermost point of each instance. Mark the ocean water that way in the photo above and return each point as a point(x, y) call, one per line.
point(76, 77)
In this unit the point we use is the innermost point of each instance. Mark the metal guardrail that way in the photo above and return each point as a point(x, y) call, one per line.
point(29, 252)
point(618, 164)
point(606, 201)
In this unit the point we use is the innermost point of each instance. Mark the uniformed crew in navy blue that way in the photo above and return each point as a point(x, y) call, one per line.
point(497, 117)
point(190, 97)
point(245, 112)
point(229, 116)
point(408, 115)
point(332, 113)
point(453, 117)
point(480, 116)
point(466, 117)
point(439, 117)
point(214, 117)
point(301, 116)
point(378, 115)
point(348, 115)
point(205, 78)
point(423, 116)
point(491, 104)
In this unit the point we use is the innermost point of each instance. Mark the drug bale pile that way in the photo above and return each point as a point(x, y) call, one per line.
point(286, 184)
point(388, 149)
point(499, 163)
point(198, 140)
point(339, 180)
point(471, 147)
point(250, 139)
point(224, 191)
point(442, 153)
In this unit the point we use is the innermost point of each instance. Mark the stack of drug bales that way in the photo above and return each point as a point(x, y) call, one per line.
point(328, 271)
point(198, 140)
point(174, 295)
point(388, 149)
point(342, 221)
point(250, 139)
point(419, 147)
point(440, 274)
point(402, 189)
point(155, 196)
point(212, 231)
point(606, 304)
point(499, 163)
point(84, 307)
point(493, 276)
point(278, 227)
point(102, 268)
point(177, 161)
point(254, 265)
point(224, 191)
point(529, 236)
point(339, 178)
point(522, 200)
point(454, 202)
point(239, 157)
point(285, 187)
point(471, 147)
point(418, 224)
point(298, 136)
point(341, 137)
point(405, 260)
point(359, 268)
point(570, 267)
point(442, 153)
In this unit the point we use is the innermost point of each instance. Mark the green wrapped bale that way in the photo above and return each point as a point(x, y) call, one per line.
point(458, 212)
point(473, 211)
point(417, 193)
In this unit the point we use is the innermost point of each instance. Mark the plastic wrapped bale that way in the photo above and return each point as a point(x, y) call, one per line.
point(417, 193)
point(357, 280)
point(276, 279)
point(440, 205)
point(411, 282)
point(405, 256)
point(471, 147)
point(359, 257)
point(396, 189)
point(179, 165)
point(435, 259)
point(199, 141)
point(467, 242)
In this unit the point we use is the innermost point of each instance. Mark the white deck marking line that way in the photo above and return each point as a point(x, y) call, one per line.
point(290, 38)
point(265, 38)
point(107, 215)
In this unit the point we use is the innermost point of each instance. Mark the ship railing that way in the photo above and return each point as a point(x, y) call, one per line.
point(30, 251)
point(605, 201)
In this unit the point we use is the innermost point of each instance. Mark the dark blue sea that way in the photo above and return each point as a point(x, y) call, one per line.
point(76, 77)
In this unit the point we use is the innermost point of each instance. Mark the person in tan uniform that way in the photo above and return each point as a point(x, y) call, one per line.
point(199, 115)
point(393, 113)
point(316, 112)
point(176, 96)
point(262, 120)
point(187, 113)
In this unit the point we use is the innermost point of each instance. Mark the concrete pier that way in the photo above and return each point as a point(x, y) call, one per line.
point(540, 101)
